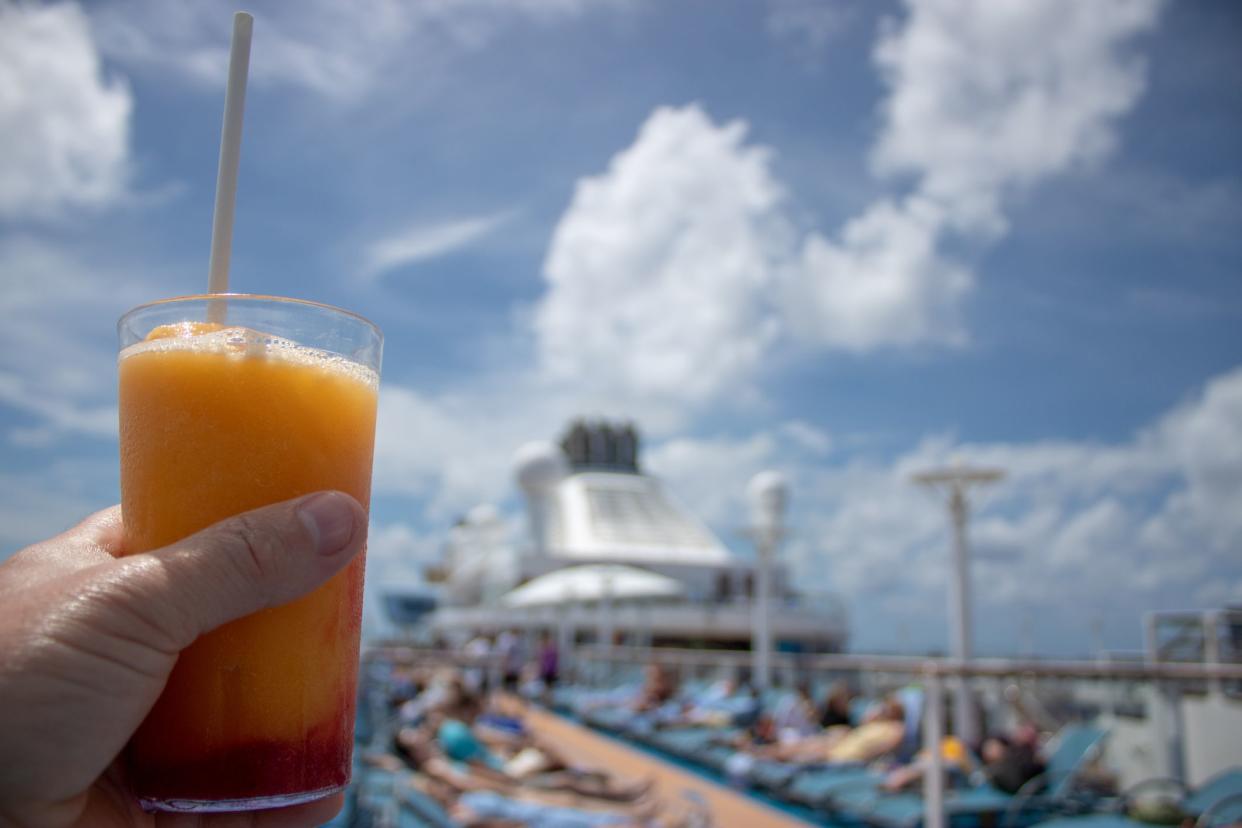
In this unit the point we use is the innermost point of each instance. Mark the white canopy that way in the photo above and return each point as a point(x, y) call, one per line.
point(593, 582)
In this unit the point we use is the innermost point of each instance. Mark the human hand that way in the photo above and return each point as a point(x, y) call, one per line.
point(88, 638)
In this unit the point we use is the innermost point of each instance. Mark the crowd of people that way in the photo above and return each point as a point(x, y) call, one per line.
point(800, 728)
point(470, 750)
point(460, 737)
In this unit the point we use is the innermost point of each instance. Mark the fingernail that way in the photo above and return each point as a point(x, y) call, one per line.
point(330, 520)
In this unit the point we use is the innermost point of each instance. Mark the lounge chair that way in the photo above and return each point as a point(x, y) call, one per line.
point(1218, 798)
point(1055, 791)
point(811, 783)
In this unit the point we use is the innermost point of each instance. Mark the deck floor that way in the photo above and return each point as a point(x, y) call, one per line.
point(730, 809)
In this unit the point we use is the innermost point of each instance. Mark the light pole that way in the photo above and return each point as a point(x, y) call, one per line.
point(768, 493)
point(607, 623)
point(954, 481)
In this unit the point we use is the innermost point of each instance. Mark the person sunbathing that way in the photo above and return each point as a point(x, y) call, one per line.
point(477, 797)
point(955, 758)
point(449, 747)
point(487, 809)
point(880, 734)
point(726, 703)
point(658, 689)
point(836, 710)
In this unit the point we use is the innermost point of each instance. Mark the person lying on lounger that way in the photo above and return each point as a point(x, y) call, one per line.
point(449, 748)
point(479, 797)
point(880, 734)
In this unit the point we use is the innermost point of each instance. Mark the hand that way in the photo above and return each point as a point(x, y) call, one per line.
point(88, 638)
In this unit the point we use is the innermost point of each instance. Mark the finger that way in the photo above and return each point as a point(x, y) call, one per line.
point(102, 530)
point(259, 559)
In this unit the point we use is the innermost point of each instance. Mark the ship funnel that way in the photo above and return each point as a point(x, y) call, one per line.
point(539, 468)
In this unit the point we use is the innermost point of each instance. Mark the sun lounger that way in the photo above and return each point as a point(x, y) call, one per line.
point(1220, 797)
point(1055, 791)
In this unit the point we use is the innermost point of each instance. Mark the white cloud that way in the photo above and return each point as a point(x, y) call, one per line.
point(674, 273)
point(397, 554)
point(427, 241)
point(986, 100)
point(656, 270)
point(710, 475)
point(66, 126)
point(57, 416)
point(808, 24)
point(1076, 529)
point(453, 451)
point(341, 52)
point(883, 284)
point(811, 439)
point(58, 338)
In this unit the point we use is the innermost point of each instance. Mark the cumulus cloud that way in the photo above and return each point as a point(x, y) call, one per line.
point(985, 100)
point(1076, 529)
point(657, 268)
point(710, 474)
point(988, 98)
point(677, 270)
point(66, 124)
point(452, 451)
point(397, 554)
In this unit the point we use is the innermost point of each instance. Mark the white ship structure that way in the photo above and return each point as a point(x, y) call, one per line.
point(610, 555)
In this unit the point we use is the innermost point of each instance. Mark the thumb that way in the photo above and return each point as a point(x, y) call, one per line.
point(258, 559)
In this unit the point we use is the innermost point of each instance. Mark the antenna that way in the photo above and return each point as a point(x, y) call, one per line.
point(954, 481)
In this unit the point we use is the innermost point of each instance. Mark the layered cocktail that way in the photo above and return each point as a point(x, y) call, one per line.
point(228, 404)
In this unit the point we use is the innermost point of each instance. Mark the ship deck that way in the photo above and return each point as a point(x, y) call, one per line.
point(729, 809)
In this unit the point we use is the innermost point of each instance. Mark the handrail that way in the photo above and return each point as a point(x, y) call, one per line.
point(932, 671)
point(921, 665)
point(911, 665)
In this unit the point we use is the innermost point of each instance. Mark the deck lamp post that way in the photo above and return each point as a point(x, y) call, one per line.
point(768, 493)
point(954, 481)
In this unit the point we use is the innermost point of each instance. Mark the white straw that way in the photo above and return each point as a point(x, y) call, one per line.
point(230, 155)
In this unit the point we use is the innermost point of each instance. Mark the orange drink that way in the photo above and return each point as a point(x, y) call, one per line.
point(217, 419)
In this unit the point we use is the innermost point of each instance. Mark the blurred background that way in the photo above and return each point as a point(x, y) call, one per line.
point(850, 241)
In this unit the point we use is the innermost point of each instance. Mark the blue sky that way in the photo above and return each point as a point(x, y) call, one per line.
point(846, 240)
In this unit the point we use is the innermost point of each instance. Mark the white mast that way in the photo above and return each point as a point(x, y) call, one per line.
point(768, 493)
point(954, 481)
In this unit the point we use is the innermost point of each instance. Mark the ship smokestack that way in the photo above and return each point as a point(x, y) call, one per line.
point(539, 468)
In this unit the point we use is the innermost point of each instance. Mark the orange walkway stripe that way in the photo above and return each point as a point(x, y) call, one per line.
point(729, 808)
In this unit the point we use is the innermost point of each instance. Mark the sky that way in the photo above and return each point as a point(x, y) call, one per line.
point(846, 240)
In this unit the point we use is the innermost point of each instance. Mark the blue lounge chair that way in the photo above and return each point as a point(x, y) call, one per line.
point(811, 784)
point(814, 787)
point(685, 743)
point(1219, 798)
point(1054, 791)
point(419, 809)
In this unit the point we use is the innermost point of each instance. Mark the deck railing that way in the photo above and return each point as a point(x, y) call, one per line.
point(605, 663)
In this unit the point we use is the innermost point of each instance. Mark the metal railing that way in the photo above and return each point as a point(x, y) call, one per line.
point(933, 673)
point(922, 665)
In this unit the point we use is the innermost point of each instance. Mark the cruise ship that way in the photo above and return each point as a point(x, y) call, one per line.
point(609, 555)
